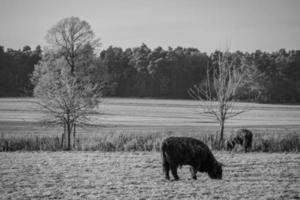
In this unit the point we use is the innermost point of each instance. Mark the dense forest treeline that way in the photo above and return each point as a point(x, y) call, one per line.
point(160, 73)
point(16, 67)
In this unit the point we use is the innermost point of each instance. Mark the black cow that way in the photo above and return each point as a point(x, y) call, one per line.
point(242, 137)
point(3, 145)
point(178, 151)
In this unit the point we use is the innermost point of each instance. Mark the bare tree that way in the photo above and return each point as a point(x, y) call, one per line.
point(70, 38)
point(66, 100)
point(68, 79)
point(216, 97)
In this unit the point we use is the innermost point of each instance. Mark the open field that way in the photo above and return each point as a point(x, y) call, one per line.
point(141, 124)
point(20, 115)
point(123, 175)
point(149, 112)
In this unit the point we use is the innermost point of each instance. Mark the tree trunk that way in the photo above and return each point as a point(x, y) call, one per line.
point(221, 132)
point(62, 140)
point(63, 135)
point(72, 69)
point(74, 135)
point(69, 136)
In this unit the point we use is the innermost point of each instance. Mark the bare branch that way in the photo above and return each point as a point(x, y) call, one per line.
point(227, 77)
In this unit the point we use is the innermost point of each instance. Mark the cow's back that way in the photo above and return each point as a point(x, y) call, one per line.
point(184, 150)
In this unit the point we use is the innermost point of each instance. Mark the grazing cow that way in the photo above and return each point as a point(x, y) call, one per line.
point(242, 137)
point(3, 145)
point(178, 151)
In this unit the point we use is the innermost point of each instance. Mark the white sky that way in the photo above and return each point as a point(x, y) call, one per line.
point(244, 25)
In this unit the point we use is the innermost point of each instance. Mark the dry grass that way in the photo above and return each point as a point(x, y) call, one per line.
point(121, 175)
point(265, 140)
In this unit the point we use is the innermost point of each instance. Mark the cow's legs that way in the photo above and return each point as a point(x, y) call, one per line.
point(245, 146)
point(249, 144)
point(174, 172)
point(166, 169)
point(193, 173)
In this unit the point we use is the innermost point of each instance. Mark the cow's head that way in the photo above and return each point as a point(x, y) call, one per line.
point(229, 145)
point(216, 171)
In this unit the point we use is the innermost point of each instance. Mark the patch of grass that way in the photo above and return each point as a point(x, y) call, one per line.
point(27, 143)
point(276, 142)
point(264, 141)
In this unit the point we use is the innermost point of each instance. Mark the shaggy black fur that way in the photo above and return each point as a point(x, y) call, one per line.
point(178, 151)
point(242, 137)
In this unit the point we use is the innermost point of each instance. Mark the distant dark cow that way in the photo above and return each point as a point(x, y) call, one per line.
point(178, 151)
point(3, 145)
point(242, 137)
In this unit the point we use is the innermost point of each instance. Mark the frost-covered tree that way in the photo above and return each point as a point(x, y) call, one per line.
point(70, 78)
